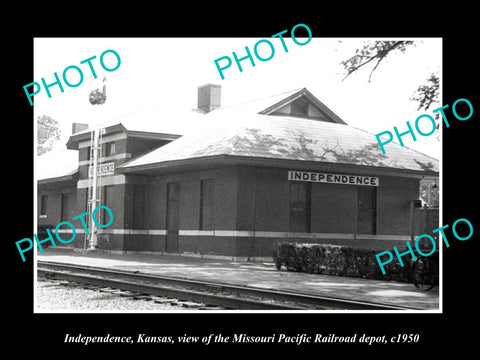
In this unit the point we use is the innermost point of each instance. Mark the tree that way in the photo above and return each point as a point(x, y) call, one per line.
point(425, 95)
point(375, 52)
point(48, 133)
point(429, 192)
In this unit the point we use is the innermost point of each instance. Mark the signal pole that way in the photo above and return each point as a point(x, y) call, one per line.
point(96, 97)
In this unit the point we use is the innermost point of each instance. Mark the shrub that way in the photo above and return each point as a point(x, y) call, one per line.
point(336, 260)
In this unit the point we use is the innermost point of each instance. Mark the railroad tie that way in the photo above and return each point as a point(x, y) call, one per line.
point(190, 304)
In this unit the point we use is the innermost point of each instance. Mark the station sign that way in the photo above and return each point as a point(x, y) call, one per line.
point(103, 169)
point(333, 178)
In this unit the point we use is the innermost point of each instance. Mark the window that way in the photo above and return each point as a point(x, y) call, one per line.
point(206, 204)
point(300, 205)
point(89, 151)
point(43, 205)
point(299, 107)
point(110, 148)
point(138, 206)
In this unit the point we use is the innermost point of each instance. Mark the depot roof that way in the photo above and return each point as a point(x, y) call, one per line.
point(150, 123)
point(56, 165)
point(282, 138)
point(258, 132)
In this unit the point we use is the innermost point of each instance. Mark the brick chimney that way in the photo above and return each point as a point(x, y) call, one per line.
point(78, 127)
point(209, 97)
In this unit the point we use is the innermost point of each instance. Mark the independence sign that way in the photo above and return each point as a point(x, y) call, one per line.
point(333, 178)
point(103, 169)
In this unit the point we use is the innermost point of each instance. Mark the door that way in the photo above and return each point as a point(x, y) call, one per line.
point(64, 208)
point(173, 220)
point(367, 217)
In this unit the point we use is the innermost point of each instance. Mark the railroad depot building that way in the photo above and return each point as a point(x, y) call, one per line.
point(236, 180)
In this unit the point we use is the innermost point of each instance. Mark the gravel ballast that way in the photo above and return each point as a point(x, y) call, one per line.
point(60, 296)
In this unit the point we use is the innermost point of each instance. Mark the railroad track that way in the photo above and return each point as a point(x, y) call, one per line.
point(177, 304)
point(209, 293)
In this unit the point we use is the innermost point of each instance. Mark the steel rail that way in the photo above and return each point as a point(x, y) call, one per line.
point(219, 294)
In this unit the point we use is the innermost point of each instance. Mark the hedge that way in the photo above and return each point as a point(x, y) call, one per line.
point(338, 261)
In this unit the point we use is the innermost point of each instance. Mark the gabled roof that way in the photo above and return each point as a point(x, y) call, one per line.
point(149, 123)
point(272, 104)
point(168, 124)
point(251, 131)
point(284, 138)
point(304, 93)
point(56, 165)
point(256, 106)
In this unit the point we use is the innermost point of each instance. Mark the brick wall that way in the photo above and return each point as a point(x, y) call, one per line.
point(393, 204)
point(333, 210)
point(54, 201)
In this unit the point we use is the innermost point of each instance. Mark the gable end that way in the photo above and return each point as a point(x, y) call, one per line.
point(303, 104)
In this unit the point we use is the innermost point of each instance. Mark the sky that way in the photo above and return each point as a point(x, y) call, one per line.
point(166, 72)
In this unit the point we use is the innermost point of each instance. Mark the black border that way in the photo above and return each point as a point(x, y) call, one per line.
point(45, 332)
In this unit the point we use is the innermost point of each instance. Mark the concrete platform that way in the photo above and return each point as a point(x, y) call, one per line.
point(256, 274)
